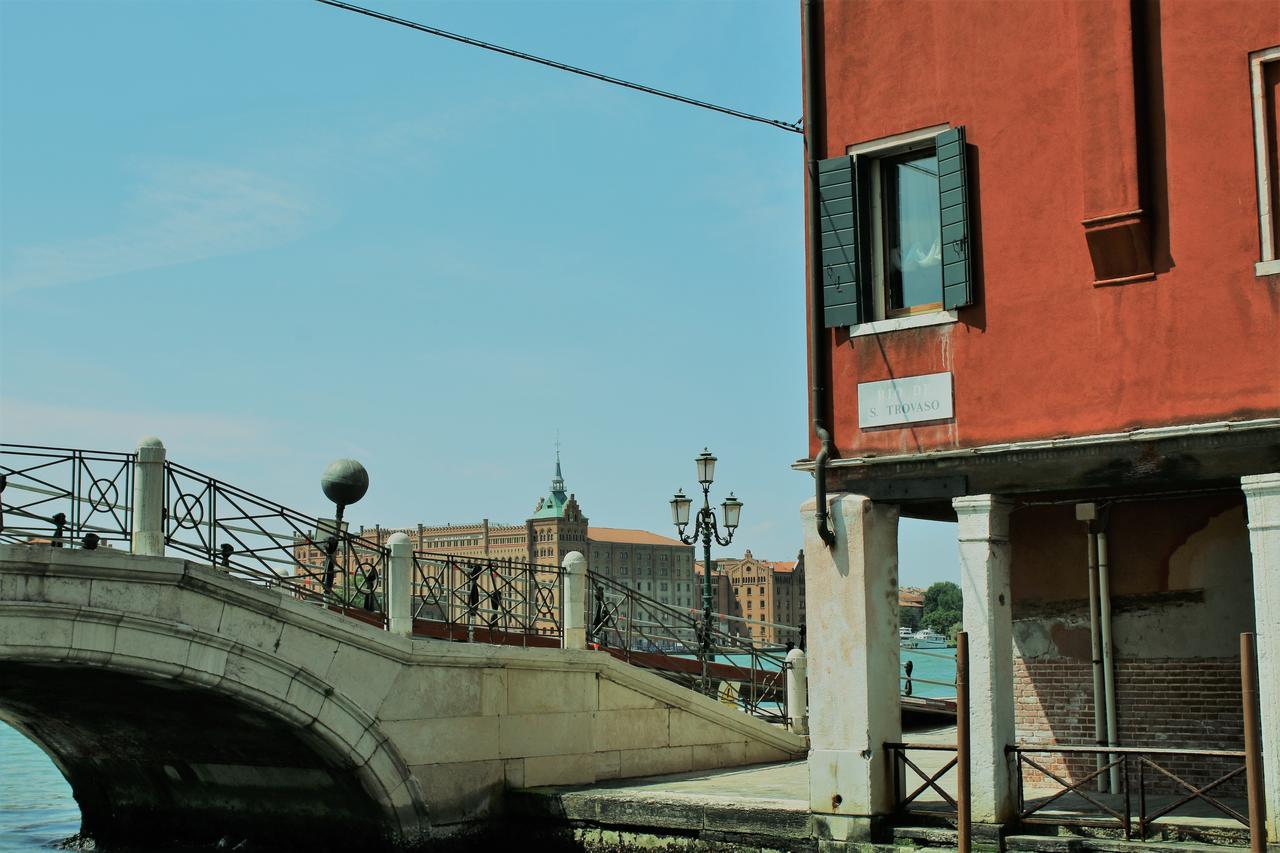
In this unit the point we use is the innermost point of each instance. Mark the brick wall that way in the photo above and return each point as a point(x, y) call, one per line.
point(1176, 702)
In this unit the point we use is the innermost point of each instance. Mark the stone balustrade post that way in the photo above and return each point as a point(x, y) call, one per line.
point(574, 600)
point(148, 498)
point(400, 585)
point(798, 692)
point(1262, 500)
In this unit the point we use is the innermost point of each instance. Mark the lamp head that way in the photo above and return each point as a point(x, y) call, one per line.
point(680, 509)
point(732, 508)
point(706, 468)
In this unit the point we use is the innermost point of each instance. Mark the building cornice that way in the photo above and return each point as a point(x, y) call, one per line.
point(1147, 434)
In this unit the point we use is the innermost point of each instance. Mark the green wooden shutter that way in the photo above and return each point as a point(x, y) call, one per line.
point(953, 194)
point(838, 204)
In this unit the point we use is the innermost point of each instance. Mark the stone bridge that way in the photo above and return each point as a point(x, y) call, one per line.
point(183, 704)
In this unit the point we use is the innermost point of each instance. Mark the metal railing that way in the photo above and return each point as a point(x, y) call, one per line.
point(907, 679)
point(668, 640)
point(907, 803)
point(270, 544)
point(68, 497)
point(62, 496)
point(959, 805)
point(1134, 764)
point(487, 600)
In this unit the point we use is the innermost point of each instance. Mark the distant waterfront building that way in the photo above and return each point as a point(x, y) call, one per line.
point(910, 606)
point(759, 590)
point(651, 564)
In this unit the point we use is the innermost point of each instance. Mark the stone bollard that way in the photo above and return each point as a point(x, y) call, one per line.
point(400, 585)
point(574, 600)
point(148, 499)
point(797, 692)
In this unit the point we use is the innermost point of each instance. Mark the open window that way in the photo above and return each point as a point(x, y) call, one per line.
point(894, 234)
point(1264, 73)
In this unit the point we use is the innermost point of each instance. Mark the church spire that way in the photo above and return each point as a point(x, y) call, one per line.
point(557, 482)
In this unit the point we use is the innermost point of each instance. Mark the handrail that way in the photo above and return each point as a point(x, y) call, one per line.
point(481, 595)
point(668, 639)
point(1121, 757)
point(1134, 750)
point(79, 494)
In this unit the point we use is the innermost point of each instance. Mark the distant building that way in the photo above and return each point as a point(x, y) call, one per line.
point(910, 606)
point(651, 564)
point(759, 590)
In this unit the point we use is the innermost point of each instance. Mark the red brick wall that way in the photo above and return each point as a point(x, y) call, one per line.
point(1175, 702)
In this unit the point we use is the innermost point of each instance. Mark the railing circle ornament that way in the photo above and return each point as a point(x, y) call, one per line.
point(368, 573)
point(188, 511)
point(102, 495)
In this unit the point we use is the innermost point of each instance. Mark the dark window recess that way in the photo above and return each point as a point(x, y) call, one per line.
point(913, 233)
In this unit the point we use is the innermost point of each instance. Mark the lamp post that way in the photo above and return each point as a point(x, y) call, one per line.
point(705, 527)
point(344, 482)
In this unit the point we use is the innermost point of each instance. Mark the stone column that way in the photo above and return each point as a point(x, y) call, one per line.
point(984, 580)
point(798, 692)
point(1262, 497)
point(574, 597)
point(851, 597)
point(148, 499)
point(400, 585)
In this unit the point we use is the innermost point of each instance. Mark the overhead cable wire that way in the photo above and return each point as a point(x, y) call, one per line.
point(794, 127)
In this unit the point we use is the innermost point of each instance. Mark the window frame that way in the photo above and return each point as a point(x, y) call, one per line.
point(1268, 232)
point(868, 157)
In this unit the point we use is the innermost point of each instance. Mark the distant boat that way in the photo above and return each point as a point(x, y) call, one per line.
point(926, 639)
point(904, 634)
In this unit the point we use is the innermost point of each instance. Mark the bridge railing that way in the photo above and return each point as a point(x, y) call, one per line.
point(268, 543)
point(67, 497)
point(670, 641)
point(63, 497)
point(491, 600)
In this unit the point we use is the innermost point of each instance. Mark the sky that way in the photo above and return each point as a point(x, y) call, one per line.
point(278, 233)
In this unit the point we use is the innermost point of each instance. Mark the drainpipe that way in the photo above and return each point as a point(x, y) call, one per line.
point(1108, 677)
point(811, 15)
point(1088, 513)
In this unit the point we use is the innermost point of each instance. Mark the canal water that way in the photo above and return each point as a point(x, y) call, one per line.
point(36, 808)
point(37, 811)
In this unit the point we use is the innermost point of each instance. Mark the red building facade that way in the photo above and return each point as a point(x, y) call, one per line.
point(1046, 303)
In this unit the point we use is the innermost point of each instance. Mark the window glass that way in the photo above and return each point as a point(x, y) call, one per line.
point(913, 230)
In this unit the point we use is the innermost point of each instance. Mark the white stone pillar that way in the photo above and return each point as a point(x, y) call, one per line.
point(1262, 497)
point(148, 498)
point(984, 581)
point(851, 598)
point(797, 692)
point(574, 595)
point(400, 585)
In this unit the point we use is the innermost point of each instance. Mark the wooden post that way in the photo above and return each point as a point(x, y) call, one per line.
point(1252, 744)
point(963, 799)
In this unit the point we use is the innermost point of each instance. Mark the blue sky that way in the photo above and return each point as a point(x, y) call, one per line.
point(276, 233)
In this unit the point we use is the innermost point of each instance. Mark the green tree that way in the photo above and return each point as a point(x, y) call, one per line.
point(943, 605)
point(909, 617)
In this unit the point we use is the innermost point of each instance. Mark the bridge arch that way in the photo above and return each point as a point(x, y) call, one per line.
point(168, 732)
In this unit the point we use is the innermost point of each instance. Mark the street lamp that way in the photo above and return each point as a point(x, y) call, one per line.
point(344, 482)
point(705, 527)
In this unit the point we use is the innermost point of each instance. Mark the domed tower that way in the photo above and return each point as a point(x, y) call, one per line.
point(557, 525)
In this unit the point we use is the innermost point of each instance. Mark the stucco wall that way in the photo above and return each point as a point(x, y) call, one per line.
point(1043, 352)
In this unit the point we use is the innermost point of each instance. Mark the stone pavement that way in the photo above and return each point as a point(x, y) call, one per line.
point(771, 801)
